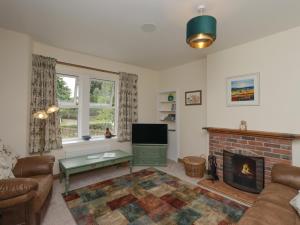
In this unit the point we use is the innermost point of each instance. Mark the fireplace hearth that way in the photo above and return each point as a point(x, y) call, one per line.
point(243, 172)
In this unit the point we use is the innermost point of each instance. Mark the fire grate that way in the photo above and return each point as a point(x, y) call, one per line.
point(243, 172)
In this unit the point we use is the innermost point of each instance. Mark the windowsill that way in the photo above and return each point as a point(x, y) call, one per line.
point(81, 141)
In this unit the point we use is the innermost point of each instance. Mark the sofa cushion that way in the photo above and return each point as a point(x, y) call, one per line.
point(287, 175)
point(11, 188)
point(45, 185)
point(278, 194)
point(8, 160)
point(295, 203)
point(265, 212)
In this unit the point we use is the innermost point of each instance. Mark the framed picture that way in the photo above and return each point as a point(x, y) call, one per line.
point(243, 90)
point(193, 97)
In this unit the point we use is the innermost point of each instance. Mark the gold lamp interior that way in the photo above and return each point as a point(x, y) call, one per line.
point(200, 41)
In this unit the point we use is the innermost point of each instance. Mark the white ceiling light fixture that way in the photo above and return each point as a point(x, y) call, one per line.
point(148, 27)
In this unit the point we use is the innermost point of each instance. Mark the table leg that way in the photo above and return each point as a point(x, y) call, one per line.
point(130, 166)
point(61, 174)
point(67, 183)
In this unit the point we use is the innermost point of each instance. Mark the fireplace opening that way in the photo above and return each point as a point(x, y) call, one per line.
point(243, 172)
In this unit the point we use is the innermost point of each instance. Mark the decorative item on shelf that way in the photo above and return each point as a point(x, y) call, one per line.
point(43, 115)
point(193, 97)
point(212, 170)
point(86, 137)
point(170, 97)
point(243, 90)
point(170, 117)
point(201, 31)
point(243, 125)
point(108, 134)
point(173, 107)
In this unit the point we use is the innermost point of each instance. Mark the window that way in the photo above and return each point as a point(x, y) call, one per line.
point(87, 105)
point(67, 94)
point(102, 106)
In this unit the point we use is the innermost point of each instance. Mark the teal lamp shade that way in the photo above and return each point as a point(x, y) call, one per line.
point(201, 31)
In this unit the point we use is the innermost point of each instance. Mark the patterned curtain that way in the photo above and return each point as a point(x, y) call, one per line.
point(45, 135)
point(128, 105)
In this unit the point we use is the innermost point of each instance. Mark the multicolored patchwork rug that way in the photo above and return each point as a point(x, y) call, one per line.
point(150, 197)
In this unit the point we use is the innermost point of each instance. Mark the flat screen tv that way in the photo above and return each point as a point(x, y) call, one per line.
point(143, 133)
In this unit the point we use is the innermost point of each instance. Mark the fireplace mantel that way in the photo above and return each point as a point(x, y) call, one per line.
point(263, 134)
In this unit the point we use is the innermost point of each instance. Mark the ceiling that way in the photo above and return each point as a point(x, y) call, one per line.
point(111, 29)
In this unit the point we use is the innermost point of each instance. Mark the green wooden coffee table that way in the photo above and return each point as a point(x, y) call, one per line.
point(80, 164)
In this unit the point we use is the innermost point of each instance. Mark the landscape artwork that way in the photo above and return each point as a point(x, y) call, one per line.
point(243, 90)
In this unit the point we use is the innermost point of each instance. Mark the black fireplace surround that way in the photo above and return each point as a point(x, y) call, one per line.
point(243, 172)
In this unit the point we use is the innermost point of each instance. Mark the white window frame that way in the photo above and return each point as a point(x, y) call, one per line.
point(83, 100)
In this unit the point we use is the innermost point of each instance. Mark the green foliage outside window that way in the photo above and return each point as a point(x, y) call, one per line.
point(102, 92)
point(63, 91)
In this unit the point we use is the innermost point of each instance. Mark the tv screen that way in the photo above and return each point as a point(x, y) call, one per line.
point(143, 133)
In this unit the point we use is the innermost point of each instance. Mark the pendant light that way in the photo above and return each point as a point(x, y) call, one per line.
point(201, 31)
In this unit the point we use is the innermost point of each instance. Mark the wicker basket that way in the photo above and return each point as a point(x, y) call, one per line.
point(194, 166)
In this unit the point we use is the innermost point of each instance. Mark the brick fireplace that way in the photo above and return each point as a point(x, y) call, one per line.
point(273, 147)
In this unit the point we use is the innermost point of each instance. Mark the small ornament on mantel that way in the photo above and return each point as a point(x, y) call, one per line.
point(243, 125)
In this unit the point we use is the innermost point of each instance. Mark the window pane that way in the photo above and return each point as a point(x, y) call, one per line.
point(102, 92)
point(100, 119)
point(69, 122)
point(66, 88)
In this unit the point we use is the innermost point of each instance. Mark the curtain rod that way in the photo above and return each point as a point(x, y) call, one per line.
point(86, 67)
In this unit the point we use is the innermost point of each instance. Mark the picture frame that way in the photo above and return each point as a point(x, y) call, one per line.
point(243, 90)
point(193, 97)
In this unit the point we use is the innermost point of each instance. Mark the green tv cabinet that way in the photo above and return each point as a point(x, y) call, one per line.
point(149, 155)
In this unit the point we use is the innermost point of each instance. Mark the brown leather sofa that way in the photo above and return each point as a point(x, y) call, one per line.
point(272, 206)
point(23, 199)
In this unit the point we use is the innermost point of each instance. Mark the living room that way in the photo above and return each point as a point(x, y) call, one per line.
point(84, 41)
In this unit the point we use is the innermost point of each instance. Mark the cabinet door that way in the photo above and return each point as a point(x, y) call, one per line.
point(172, 145)
point(149, 155)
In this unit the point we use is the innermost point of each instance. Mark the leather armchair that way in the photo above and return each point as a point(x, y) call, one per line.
point(23, 199)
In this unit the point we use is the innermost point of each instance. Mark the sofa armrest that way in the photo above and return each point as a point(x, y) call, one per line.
point(286, 175)
point(35, 165)
point(16, 191)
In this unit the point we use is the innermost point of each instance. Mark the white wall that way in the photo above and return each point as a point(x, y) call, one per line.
point(147, 92)
point(15, 67)
point(276, 57)
point(189, 77)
